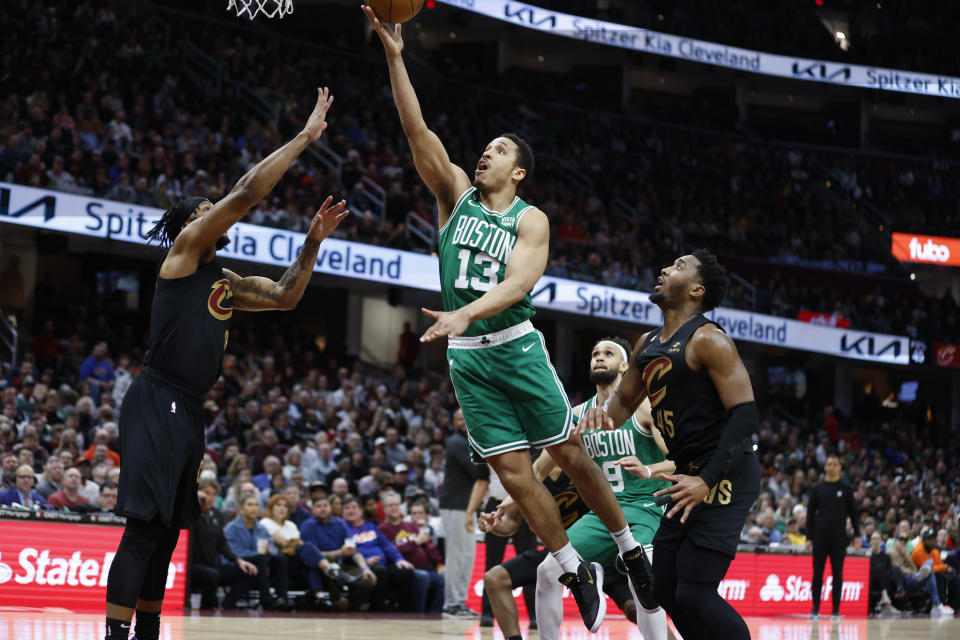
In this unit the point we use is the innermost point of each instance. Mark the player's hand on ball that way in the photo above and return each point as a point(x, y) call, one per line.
point(593, 419)
point(317, 122)
point(686, 492)
point(634, 466)
point(391, 38)
point(327, 219)
point(448, 323)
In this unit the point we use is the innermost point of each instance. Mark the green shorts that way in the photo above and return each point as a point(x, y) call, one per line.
point(509, 392)
point(594, 543)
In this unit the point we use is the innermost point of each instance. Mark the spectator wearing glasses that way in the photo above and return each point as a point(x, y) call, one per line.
point(23, 492)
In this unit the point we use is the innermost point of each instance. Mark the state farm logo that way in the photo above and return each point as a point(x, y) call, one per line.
point(928, 251)
point(772, 590)
point(40, 567)
point(799, 589)
point(733, 589)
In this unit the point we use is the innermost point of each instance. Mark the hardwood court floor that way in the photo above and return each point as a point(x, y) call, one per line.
point(59, 625)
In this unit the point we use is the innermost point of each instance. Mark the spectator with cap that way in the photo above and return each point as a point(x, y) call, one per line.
point(23, 492)
point(948, 587)
point(69, 496)
point(916, 579)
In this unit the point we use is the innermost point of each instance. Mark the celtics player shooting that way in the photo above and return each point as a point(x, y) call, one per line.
point(493, 248)
point(703, 404)
point(634, 443)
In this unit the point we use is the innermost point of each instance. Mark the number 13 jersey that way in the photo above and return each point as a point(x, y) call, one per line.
point(475, 246)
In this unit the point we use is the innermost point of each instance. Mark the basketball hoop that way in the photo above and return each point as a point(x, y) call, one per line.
point(269, 8)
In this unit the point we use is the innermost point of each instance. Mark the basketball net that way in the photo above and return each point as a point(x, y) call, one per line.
point(269, 8)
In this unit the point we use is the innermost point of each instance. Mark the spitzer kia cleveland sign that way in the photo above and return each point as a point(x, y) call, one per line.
point(907, 247)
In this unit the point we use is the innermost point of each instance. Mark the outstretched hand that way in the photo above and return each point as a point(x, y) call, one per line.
point(391, 38)
point(327, 219)
point(448, 323)
point(594, 419)
point(317, 122)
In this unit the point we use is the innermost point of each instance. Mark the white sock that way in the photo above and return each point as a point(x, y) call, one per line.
point(652, 624)
point(624, 540)
point(567, 558)
point(549, 599)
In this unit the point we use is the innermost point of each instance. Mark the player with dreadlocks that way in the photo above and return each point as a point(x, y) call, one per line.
point(161, 417)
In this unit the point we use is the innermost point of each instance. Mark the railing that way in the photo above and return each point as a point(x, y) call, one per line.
point(750, 291)
point(9, 340)
point(872, 222)
point(624, 210)
point(376, 194)
point(423, 230)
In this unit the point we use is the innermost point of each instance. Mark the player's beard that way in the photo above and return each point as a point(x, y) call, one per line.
point(603, 376)
point(657, 297)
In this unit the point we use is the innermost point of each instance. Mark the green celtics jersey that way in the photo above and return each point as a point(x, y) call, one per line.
point(631, 439)
point(475, 246)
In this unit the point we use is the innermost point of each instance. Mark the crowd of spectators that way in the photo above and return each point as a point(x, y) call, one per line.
point(323, 472)
point(104, 107)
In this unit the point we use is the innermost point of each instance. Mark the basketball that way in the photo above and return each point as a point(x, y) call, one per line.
point(395, 11)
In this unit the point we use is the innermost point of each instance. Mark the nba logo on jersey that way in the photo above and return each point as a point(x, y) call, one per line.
point(173, 407)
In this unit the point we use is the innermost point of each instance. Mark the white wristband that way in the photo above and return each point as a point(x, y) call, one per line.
point(649, 473)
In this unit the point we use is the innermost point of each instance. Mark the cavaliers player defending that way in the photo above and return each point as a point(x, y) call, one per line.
point(161, 418)
point(703, 404)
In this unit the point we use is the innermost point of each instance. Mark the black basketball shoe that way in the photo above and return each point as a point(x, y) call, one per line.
point(640, 570)
point(586, 585)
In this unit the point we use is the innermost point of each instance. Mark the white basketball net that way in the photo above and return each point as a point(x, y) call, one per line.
point(269, 8)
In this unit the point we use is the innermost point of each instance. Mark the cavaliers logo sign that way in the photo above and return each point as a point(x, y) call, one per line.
point(217, 302)
point(652, 372)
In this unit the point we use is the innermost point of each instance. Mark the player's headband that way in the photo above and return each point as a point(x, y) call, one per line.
point(623, 352)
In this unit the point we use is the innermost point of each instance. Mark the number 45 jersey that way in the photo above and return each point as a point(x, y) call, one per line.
point(630, 439)
point(475, 247)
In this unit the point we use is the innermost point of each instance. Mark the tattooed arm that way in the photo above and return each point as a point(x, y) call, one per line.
point(256, 293)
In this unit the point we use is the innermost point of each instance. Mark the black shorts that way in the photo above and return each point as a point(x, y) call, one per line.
point(161, 448)
point(522, 570)
point(716, 524)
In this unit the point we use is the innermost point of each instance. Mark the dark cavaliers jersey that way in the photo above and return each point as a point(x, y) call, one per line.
point(565, 494)
point(189, 326)
point(686, 406)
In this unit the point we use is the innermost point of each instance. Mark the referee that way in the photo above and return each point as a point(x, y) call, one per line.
point(830, 504)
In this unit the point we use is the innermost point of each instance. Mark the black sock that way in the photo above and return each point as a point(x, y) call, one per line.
point(117, 629)
point(516, 637)
point(148, 625)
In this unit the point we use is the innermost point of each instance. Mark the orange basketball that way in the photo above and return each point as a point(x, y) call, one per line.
point(395, 11)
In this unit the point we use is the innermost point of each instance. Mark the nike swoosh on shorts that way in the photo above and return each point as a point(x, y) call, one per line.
point(527, 348)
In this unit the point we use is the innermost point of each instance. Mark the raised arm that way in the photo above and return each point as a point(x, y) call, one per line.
point(525, 266)
point(445, 179)
point(202, 232)
point(256, 293)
